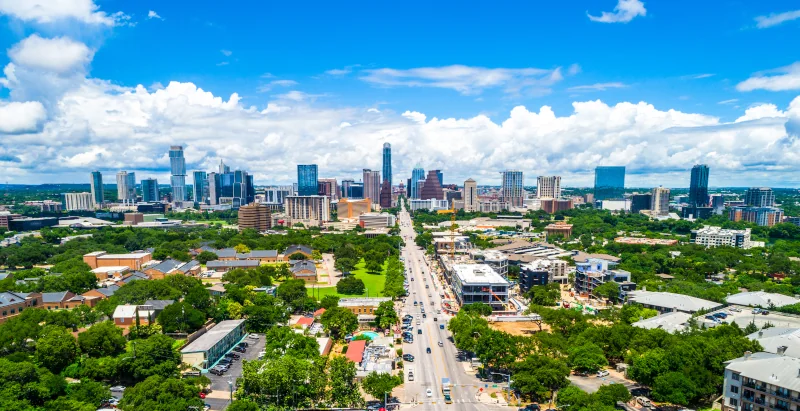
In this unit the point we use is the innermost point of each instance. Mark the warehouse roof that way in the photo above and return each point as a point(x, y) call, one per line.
point(761, 299)
point(677, 302)
point(212, 336)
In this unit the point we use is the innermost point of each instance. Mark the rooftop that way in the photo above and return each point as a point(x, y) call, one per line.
point(774, 337)
point(478, 274)
point(778, 370)
point(362, 301)
point(670, 322)
point(9, 298)
point(761, 299)
point(355, 351)
point(712, 230)
point(234, 263)
point(677, 302)
point(212, 336)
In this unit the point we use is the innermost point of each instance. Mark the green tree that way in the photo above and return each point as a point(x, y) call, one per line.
point(385, 315)
point(373, 266)
point(56, 348)
point(350, 285)
point(262, 317)
point(88, 392)
point(674, 387)
point(152, 356)
point(283, 341)
point(206, 256)
point(750, 328)
point(587, 357)
point(297, 256)
point(377, 385)
point(243, 405)
point(343, 387)
point(608, 290)
point(477, 309)
point(546, 295)
point(329, 301)
point(199, 298)
point(293, 293)
point(102, 340)
point(181, 317)
point(339, 321)
point(610, 394)
point(344, 264)
point(161, 393)
point(537, 376)
point(241, 248)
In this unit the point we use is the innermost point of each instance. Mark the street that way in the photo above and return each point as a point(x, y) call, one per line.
point(442, 362)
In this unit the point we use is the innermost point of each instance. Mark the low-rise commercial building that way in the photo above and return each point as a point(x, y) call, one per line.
point(776, 340)
point(559, 228)
point(595, 272)
point(205, 351)
point(669, 302)
point(13, 303)
point(761, 299)
point(362, 305)
point(432, 204)
point(671, 322)
point(479, 283)
point(263, 256)
point(372, 221)
point(31, 223)
point(493, 258)
point(304, 270)
point(645, 241)
point(134, 261)
point(170, 267)
point(554, 205)
point(225, 266)
point(709, 236)
point(61, 300)
point(542, 271)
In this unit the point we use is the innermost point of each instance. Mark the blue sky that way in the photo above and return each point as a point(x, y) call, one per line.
point(346, 76)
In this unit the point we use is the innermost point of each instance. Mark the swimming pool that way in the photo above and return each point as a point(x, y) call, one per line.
point(371, 334)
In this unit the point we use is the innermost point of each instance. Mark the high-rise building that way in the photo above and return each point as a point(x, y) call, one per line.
point(277, 194)
point(307, 182)
point(213, 188)
point(223, 169)
point(255, 216)
point(763, 216)
point(513, 190)
point(759, 197)
point(660, 202)
point(471, 202)
point(177, 166)
point(387, 163)
point(372, 185)
point(96, 184)
point(418, 174)
point(440, 176)
point(640, 202)
point(251, 189)
point(150, 190)
point(386, 194)
point(240, 189)
point(78, 201)
point(609, 182)
point(345, 189)
point(355, 191)
point(698, 186)
point(126, 187)
point(548, 187)
point(431, 189)
point(200, 188)
point(308, 210)
point(718, 203)
point(328, 187)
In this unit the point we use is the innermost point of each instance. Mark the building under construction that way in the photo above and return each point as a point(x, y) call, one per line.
point(479, 283)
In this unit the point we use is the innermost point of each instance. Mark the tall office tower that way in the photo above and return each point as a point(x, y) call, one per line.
point(759, 197)
point(150, 190)
point(718, 203)
point(223, 169)
point(471, 202)
point(309, 210)
point(418, 174)
point(96, 185)
point(255, 216)
point(548, 187)
point(386, 194)
point(177, 166)
point(640, 202)
point(200, 187)
point(372, 185)
point(328, 187)
point(251, 189)
point(513, 189)
point(124, 188)
point(307, 184)
point(132, 186)
point(239, 188)
point(431, 189)
point(346, 183)
point(660, 202)
point(355, 191)
point(440, 176)
point(609, 182)
point(213, 183)
point(387, 163)
point(698, 186)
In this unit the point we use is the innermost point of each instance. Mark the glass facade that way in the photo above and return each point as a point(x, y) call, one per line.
point(150, 190)
point(609, 182)
point(97, 188)
point(418, 174)
point(178, 170)
point(200, 187)
point(307, 180)
point(698, 186)
point(387, 162)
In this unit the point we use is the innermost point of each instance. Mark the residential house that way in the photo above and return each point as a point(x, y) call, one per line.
point(157, 306)
point(355, 351)
point(125, 315)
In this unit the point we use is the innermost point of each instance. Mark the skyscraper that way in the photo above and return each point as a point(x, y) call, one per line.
point(386, 194)
point(609, 182)
point(387, 163)
point(513, 189)
point(177, 166)
point(418, 174)
point(126, 192)
point(548, 187)
point(223, 169)
point(240, 188)
point(150, 190)
point(698, 186)
point(471, 203)
point(96, 184)
point(328, 187)
point(307, 182)
point(660, 203)
point(372, 185)
point(431, 189)
point(440, 176)
point(759, 197)
point(200, 187)
point(640, 202)
point(213, 188)
point(346, 183)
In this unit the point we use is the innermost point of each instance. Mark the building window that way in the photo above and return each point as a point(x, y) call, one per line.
point(735, 377)
point(5, 313)
point(13, 311)
point(734, 389)
point(733, 402)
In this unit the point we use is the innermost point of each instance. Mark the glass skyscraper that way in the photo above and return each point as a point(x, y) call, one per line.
point(609, 182)
point(387, 162)
point(418, 174)
point(178, 170)
point(200, 187)
point(96, 186)
point(698, 186)
point(513, 188)
point(150, 190)
point(307, 181)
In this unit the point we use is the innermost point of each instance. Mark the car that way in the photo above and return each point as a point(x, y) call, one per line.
point(429, 393)
point(118, 388)
point(412, 278)
point(435, 319)
point(225, 361)
point(428, 350)
point(764, 312)
point(756, 310)
point(408, 357)
point(223, 367)
point(427, 286)
point(644, 401)
point(441, 344)
point(112, 402)
point(408, 317)
point(441, 326)
point(712, 318)
point(243, 344)
point(424, 315)
point(721, 315)
point(531, 407)
point(216, 371)
point(602, 373)
point(410, 376)
point(239, 349)
point(253, 336)
point(432, 303)
point(735, 309)
point(419, 330)
point(415, 303)
point(233, 356)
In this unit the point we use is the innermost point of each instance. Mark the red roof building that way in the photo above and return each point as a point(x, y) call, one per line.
point(355, 351)
point(319, 313)
point(305, 322)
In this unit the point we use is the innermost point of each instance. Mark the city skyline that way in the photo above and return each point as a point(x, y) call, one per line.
point(85, 96)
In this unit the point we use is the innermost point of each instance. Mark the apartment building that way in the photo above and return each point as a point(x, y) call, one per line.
point(595, 272)
point(308, 210)
point(710, 236)
point(762, 382)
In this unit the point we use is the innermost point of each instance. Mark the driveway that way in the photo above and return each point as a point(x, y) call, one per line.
point(592, 383)
point(219, 398)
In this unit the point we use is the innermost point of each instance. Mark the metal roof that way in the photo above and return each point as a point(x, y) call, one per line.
point(212, 336)
point(761, 299)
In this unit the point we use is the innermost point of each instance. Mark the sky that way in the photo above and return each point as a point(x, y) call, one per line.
point(471, 88)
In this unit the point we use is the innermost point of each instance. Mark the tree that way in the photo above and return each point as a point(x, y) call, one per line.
point(260, 318)
point(206, 256)
point(243, 405)
point(343, 388)
point(373, 266)
point(241, 248)
point(198, 297)
point(329, 301)
point(56, 348)
point(298, 382)
point(546, 295)
point(161, 393)
point(152, 356)
point(750, 328)
point(181, 317)
point(385, 315)
point(88, 392)
point(380, 385)
point(316, 255)
point(339, 321)
point(587, 357)
point(674, 387)
point(608, 290)
point(283, 341)
point(350, 285)
point(344, 264)
point(610, 394)
point(102, 340)
point(537, 376)
point(294, 293)
point(477, 309)
point(298, 256)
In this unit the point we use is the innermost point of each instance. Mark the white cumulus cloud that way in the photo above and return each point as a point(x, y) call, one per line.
point(21, 117)
point(780, 79)
point(59, 54)
point(50, 11)
point(625, 11)
point(598, 87)
point(775, 19)
point(153, 15)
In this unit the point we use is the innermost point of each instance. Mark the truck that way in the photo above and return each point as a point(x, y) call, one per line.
point(446, 390)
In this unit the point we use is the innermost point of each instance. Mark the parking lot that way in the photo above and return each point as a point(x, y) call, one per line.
point(592, 383)
point(746, 315)
point(219, 397)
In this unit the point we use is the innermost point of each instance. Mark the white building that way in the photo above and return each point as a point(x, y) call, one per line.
point(761, 299)
point(308, 210)
point(616, 205)
point(430, 205)
point(479, 283)
point(762, 381)
point(671, 322)
point(773, 338)
point(709, 236)
point(78, 201)
point(556, 269)
point(548, 187)
point(471, 202)
point(659, 205)
point(371, 221)
point(668, 302)
point(495, 259)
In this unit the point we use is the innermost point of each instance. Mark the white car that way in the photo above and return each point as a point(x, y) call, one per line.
point(253, 336)
point(429, 393)
point(118, 388)
point(602, 373)
point(440, 344)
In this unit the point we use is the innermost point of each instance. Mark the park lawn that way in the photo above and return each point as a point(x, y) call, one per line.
point(373, 284)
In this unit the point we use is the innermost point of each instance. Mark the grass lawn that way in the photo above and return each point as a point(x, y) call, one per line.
point(372, 282)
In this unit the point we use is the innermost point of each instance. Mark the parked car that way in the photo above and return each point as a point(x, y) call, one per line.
point(602, 373)
point(118, 388)
point(239, 349)
point(233, 356)
point(531, 407)
point(756, 310)
point(441, 326)
point(644, 401)
point(253, 336)
point(428, 350)
point(216, 371)
point(764, 312)
point(441, 344)
point(419, 330)
point(735, 309)
point(721, 315)
point(225, 361)
point(243, 344)
point(408, 357)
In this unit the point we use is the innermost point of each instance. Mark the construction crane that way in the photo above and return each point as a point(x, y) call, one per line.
point(452, 212)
